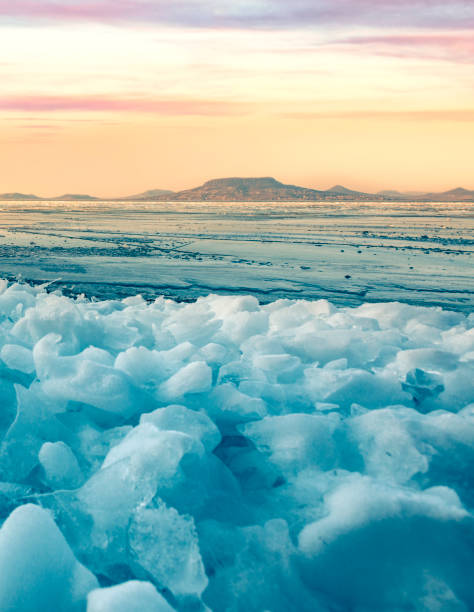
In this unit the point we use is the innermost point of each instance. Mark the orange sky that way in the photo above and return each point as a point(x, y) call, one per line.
point(113, 106)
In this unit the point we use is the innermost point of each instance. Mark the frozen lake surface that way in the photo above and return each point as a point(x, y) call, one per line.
point(349, 253)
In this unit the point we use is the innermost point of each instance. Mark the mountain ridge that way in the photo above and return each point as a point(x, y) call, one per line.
point(19, 196)
point(262, 189)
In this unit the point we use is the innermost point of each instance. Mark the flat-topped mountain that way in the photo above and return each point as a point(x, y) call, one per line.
point(264, 189)
point(261, 189)
point(71, 197)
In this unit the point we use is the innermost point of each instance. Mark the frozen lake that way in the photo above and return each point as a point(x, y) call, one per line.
point(348, 253)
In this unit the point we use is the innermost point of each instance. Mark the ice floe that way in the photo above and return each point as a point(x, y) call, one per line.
point(223, 455)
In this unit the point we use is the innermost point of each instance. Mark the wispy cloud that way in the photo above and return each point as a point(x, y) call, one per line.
point(271, 13)
point(40, 126)
point(456, 47)
point(462, 115)
point(100, 104)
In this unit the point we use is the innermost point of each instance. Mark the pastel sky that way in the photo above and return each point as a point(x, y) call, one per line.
point(117, 96)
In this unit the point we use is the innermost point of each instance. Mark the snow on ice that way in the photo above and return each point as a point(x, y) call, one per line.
point(227, 456)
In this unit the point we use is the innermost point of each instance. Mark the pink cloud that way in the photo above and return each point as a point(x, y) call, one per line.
point(31, 9)
point(457, 46)
point(277, 13)
point(463, 115)
point(39, 126)
point(102, 104)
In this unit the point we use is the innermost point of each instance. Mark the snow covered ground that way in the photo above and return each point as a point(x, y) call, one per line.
point(228, 455)
point(348, 253)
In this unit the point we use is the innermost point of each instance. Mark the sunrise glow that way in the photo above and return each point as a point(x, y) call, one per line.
point(113, 98)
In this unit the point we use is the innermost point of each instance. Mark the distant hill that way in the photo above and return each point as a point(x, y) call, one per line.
point(69, 197)
point(268, 189)
point(341, 190)
point(460, 191)
point(453, 195)
point(265, 189)
point(262, 189)
point(392, 193)
point(152, 194)
point(18, 196)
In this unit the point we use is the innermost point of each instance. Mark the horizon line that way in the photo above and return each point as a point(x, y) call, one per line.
point(71, 195)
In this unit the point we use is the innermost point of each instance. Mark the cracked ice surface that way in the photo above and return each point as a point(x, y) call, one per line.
point(223, 455)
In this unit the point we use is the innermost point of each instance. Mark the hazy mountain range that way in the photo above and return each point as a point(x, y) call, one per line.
point(67, 197)
point(266, 189)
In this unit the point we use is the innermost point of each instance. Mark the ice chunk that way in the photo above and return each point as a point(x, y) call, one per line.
point(434, 360)
point(225, 306)
point(39, 571)
point(377, 544)
point(35, 421)
point(422, 385)
point(132, 596)
point(288, 315)
point(145, 444)
point(196, 377)
point(165, 544)
point(346, 387)
point(242, 325)
point(145, 367)
point(283, 368)
point(296, 441)
point(15, 300)
point(60, 466)
point(387, 446)
point(150, 367)
point(256, 566)
point(52, 360)
point(89, 381)
point(215, 354)
point(194, 323)
point(55, 314)
point(231, 406)
point(145, 462)
point(17, 357)
point(458, 388)
point(179, 418)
